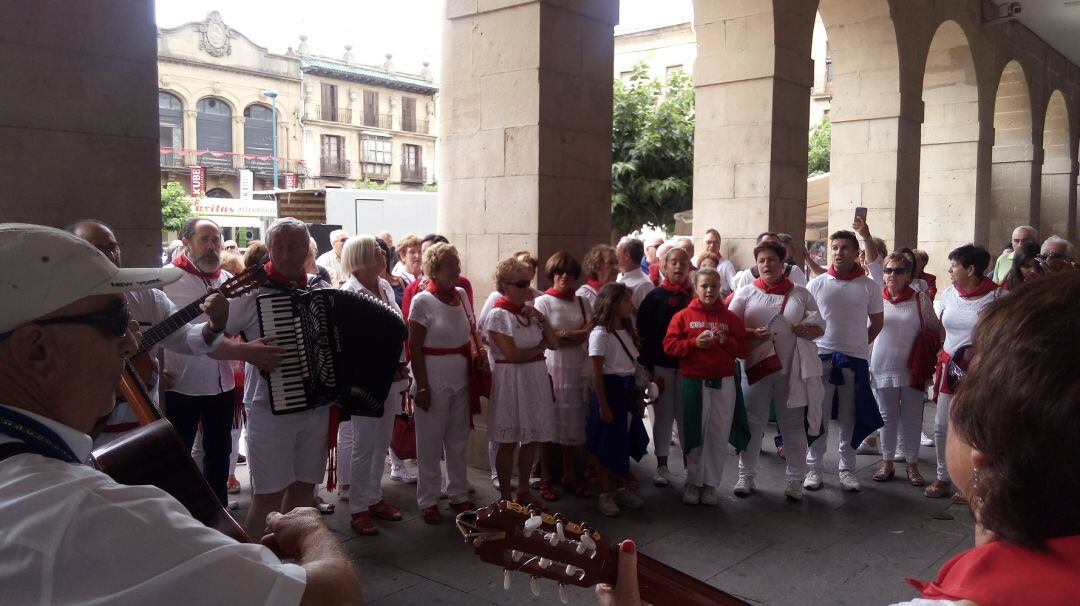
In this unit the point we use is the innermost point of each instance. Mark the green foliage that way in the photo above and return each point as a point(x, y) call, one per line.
point(430, 187)
point(652, 166)
point(820, 149)
point(367, 183)
point(175, 209)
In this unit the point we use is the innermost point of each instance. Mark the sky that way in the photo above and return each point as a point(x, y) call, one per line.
point(410, 29)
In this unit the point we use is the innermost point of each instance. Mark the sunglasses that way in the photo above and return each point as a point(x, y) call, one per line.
point(114, 320)
point(518, 284)
point(958, 365)
point(895, 270)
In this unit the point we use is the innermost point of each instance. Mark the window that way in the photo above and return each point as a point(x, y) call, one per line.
point(412, 169)
point(408, 114)
point(329, 103)
point(333, 156)
point(376, 156)
point(671, 70)
point(213, 132)
point(371, 108)
point(259, 139)
point(171, 120)
point(624, 77)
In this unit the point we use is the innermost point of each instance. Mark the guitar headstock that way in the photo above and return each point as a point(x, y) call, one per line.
point(525, 539)
point(245, 281)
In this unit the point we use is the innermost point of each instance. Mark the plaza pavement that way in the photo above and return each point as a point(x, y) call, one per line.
point(832, 548)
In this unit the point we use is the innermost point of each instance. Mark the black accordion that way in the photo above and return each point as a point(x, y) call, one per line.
point(341, 347)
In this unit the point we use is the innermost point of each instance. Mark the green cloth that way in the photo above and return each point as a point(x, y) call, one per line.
point(1002, 267)
point(691, 401)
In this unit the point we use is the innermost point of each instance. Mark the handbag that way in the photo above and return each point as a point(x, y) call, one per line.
point(642, 378)
point(403, 440)
point(763, 361)
point(479, 369)
point(924, 352)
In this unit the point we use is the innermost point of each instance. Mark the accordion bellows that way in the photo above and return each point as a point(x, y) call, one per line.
point(341, 347)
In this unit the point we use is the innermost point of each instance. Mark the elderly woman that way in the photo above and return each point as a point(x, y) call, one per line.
point(1011, 450)
point(362, 441)
point(522, 409)
point(440, 328)
point(409, 267)
point(569, 316)
point(907, 312)
point(397, 284)
point(599, 267)
point(780, 316)
point(971, 291)
point(1026, 266)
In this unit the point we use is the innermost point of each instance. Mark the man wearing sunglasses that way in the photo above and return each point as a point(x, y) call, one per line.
point(1057, 254)
point(72, 535)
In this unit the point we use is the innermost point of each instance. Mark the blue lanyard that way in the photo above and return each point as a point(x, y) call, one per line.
point(36, 434)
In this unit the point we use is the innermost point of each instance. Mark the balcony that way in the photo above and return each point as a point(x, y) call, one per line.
point(413, 174)
point(375, 171)
point(379, 120)
point(329, 113)
point(416, 126)
point(179, 160)
point(334, 167)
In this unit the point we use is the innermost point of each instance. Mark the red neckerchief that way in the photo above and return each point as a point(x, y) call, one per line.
point(185, 264)
point(277, 277)
point(856, 272)
point(782, 287)
point(985, 287)
point(595, 284)
point(675, 288)
point(447, 295)
point(715, 308)
point(565, 295)
point(508, 305)
point(905, 295)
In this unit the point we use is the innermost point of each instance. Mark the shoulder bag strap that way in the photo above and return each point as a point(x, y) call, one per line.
point(615, 334)
point(581, 304)
point(783, 305)
point(918, 307)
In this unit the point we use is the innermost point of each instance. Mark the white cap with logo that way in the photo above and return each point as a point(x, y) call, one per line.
point(43, 269)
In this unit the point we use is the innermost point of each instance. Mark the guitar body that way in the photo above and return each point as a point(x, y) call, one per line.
point(143, 365)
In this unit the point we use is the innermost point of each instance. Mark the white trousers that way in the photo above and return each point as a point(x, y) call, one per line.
point(371, 437)
point(705, 464)
point(815, 458)
point(941, 434)
point(790, 421)
point(901, 409)
point(444, 428)
point(667, 411)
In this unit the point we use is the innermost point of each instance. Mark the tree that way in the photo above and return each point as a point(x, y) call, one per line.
point(175, 209)
point(820, 148)
point(652, 166)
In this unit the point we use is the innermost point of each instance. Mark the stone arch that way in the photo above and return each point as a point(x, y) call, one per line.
point(1054, 215)
point(1012, 157)
point(949, 145)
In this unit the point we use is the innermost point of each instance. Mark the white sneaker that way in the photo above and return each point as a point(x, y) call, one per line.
point(793, 491)
point(691, 495)
point(869, 446)
point(849, 482)
point(607, 505)
point(812, 481)
point(662, 477)
point(628, 498)
point(926, 440)
point(708, 496)
point(495, 481)
point(744, 486)
point(402, 474)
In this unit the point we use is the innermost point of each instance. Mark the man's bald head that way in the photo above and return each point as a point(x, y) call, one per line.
point(99, 235)
point(1023, 234)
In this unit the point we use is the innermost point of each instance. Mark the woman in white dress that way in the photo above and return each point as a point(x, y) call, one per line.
point(569, 317)
point(600, 266)
point(522, 408)
point(362, 441)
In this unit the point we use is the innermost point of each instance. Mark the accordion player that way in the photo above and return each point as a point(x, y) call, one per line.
point(341, 347)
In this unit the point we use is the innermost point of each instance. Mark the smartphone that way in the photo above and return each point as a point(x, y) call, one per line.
point(860, 213)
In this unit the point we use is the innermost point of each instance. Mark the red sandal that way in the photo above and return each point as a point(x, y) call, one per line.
point(527, 498)
point(431, 514)
point(576, 488)
point(547, 491)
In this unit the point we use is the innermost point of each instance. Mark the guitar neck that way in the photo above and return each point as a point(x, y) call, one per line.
point(158, 332)
point(659, 583)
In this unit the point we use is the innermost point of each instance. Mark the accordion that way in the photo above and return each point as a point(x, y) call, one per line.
point(341, 347)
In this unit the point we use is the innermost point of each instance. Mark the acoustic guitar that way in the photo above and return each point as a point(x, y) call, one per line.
point(525, 539)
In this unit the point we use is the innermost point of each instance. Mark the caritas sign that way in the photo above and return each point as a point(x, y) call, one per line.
point(198, 181)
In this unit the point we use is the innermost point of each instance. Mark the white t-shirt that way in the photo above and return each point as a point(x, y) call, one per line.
point(959, 315)
point(639, 286)
point(616, 362)
point(588, 293)
point(756, 308)
point(746, 277)
point(447, 328)
point(197, 375)
point(332, 264)
point(845, 306)
point(72, 535)
point(892, 347)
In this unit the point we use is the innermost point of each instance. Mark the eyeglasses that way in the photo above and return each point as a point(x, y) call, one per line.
point(113, 320)
point(895, 270)
point(518, 284)
point(956, 371)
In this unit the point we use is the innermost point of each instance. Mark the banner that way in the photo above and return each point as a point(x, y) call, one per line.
point(290, 180)
point(247, 184)
point(198, 181)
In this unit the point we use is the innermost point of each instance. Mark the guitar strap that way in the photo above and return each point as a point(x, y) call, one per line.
point(11, 449)
point(35, 435)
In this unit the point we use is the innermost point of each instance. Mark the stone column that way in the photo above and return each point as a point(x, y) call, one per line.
point(1058, 208)
point(752, 81)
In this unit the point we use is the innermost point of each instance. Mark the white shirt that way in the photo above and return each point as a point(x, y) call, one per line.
point(71, 535)
point(399, 271)
point(588, 293)
point(746, 276)
point(616, 362)
point(386, 295)
point(892, 347)
point(639, 285)
point(877, 272)
point(197, 375)
point(447, 328)
point(959, 315)
point(756, 309)
point(332, 263)
point(845, 305)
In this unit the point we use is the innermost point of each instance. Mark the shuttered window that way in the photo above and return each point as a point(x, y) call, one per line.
point(329, 102)
point(371, 108)
point(408, 114)
point(213, 131)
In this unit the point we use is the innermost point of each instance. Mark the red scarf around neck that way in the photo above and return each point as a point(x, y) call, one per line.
point(510, 306)
point(565, 295)
point(782, 287)
point(275, 276)
point(446, 295)
point(905, 295)
point(185, 264)
point(595, 284)
point(985, 287)
point(856, 272)
point(675, 288)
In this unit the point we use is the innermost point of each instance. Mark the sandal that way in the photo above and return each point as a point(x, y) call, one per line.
point(958, 498)
point(527, 498)
point(547, 491)
point(431, 514)
point(914, 477)
point(937, 489)
point(577, 488)
point(883, 475)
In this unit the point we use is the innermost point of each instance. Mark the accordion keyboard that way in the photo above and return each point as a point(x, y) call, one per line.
point(280, 319)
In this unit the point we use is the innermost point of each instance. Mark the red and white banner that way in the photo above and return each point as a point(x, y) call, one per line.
point(198, 181)
point(290, 180)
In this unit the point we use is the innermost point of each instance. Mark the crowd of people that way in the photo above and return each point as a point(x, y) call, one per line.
point(641, 331)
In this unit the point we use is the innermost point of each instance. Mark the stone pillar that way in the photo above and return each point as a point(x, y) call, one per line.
point(79, 119)
point(1010, 194)
point(1058, 209)
point(752, 81)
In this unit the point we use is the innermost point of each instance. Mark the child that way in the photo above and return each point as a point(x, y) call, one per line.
point(706, 338)
point(615, 431)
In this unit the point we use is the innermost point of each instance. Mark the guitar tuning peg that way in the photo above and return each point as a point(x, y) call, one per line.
point(506, 579)
point(534, 584)
point(560, 531)
point(588, 542)
point(562, 594)
point(571, 570)
point(544, 563)
point(552, 539)
point(532, 524)
point(515, 555)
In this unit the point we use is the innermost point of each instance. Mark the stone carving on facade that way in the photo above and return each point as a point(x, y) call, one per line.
point(303, 48)
point(216, 37)
point(426, 72)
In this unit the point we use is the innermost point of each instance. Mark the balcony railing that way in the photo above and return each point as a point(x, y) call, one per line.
point(413, 174)
point(374, 171)
point(379, 120)
point(334, 167)
point(331, 113)
point(227, 162)
point(416, 126)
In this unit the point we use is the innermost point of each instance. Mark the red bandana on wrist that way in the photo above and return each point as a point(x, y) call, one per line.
point(565, 295)
point(675, 288)
point(985, 287)
point(446, 295)
point(185, 264)
point(595, 284)
point(856, 272)
point(905, 295)
point(279, 278)
point(782, 287)
point(510, 306)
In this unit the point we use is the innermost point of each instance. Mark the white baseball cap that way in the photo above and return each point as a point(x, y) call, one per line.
point(43, 269)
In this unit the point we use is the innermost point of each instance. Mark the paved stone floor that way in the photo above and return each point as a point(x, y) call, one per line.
point(832, 548)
